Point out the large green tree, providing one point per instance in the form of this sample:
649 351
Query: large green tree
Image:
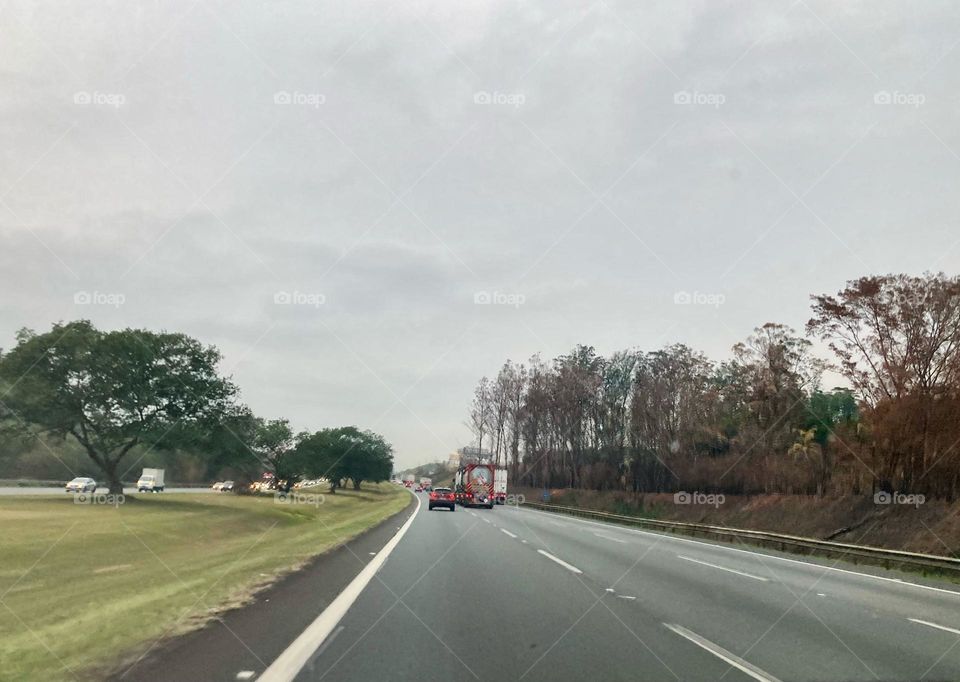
113 391
345 453
273 442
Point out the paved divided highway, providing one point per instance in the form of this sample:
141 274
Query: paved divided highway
519 594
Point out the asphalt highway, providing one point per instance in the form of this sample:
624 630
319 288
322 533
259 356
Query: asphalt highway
515 594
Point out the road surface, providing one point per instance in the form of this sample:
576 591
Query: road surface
510 594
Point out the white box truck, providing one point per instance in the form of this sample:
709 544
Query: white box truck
150 481
500 485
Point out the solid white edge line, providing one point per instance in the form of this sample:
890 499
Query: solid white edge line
723 568
607 537
724 655
504 530
563 563
288 664
808 564
934 625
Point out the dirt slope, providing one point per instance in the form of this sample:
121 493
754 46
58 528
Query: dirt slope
932 527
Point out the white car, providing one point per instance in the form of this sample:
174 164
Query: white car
81 484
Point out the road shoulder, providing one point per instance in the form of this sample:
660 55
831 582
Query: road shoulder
249 638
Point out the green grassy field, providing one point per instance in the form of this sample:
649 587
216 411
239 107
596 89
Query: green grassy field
84 587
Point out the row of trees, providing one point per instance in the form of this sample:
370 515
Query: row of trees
759 421
132 394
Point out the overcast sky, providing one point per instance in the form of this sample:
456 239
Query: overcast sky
323 190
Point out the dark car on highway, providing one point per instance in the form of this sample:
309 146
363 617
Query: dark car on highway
442 497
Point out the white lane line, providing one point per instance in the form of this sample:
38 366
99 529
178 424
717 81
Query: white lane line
486 520
607 537
724 568
724 655
288 664
245 675
623 596
560 561
754 553
934 625
504 530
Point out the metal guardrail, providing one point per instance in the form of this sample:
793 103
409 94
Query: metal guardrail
888 558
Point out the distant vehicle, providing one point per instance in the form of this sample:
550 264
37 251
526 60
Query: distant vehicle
500 485
226 486
408 480
419 489
442 497
217 486
473 485
426 482
81 484
151 481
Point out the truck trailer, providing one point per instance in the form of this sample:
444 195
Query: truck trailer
500 485
473 485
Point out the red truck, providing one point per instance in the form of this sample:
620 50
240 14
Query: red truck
473 485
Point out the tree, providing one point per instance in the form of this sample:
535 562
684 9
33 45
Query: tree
898 341
113 391
481 411
344 453
274 443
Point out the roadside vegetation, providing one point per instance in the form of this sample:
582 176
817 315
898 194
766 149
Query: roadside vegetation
83 584
78 401
758 422
929 528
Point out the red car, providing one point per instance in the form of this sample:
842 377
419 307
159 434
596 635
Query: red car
442 497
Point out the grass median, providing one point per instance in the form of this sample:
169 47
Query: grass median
83 587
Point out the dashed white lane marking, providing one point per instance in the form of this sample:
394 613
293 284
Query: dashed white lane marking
724 568
288 664
563 563
623 596
607 537
610 589
524 541
486 520
504 530
724 655
934 625
808 564
245 675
